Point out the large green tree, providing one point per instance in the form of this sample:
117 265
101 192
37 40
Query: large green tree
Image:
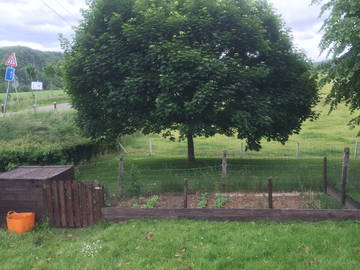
341 40
199 67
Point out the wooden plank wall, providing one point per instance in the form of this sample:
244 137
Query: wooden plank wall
73 204
115 214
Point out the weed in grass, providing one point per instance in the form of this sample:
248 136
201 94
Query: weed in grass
90 249
152 202
220 200
203 200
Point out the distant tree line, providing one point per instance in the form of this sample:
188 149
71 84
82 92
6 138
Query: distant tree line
33 65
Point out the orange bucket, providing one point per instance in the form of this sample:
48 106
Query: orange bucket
20 222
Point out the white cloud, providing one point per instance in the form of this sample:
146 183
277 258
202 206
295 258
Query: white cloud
303 20
36 23
33 45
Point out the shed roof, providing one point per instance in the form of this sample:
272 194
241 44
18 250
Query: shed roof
34 172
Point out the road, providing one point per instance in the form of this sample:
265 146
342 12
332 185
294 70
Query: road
59 107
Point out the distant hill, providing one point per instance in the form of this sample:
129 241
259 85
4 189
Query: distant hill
44 63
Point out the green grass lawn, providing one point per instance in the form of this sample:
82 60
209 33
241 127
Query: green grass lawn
186 245
27 99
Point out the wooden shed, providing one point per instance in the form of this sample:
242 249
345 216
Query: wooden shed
21 189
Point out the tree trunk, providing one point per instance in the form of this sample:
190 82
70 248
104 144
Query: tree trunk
191 153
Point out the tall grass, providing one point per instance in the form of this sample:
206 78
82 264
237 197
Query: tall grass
42 139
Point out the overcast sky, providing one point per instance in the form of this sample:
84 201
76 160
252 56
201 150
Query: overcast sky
36 23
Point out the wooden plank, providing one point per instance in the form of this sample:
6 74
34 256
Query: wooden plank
325 174
76 204
69 204
56 205
185 192
97 199
49 203
62 203
90 199
83 208
270 190
115 214
26 195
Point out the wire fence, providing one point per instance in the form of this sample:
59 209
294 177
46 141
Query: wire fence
245 178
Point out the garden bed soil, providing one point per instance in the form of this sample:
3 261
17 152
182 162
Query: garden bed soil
291 200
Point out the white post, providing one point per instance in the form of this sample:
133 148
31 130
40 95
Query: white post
297 149
356 149
242 149
150 148
6 96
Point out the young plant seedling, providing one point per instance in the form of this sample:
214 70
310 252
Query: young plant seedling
220 201
203 200
152 202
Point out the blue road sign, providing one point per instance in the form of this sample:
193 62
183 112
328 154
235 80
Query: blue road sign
9 74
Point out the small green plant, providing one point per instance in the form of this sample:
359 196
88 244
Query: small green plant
10 166
220 201
134 203
152 202
203 200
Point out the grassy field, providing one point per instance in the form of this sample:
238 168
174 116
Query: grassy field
165 170
27 99
42 138
186 245
328 135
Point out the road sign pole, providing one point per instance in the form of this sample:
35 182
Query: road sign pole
6 96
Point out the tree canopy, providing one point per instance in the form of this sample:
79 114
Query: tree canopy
199 67
342 40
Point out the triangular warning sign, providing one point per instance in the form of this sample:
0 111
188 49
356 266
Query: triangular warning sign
11 61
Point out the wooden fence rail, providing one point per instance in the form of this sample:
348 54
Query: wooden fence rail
116 214
73 204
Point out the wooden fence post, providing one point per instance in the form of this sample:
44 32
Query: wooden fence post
325 174
270 188
121 173
224 169
185 192
345 174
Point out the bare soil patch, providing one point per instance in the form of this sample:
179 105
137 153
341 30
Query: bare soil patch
292 200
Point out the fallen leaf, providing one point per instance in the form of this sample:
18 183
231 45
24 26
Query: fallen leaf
149 235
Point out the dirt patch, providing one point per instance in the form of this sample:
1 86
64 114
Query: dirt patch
235 200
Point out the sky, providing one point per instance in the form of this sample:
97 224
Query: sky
36 23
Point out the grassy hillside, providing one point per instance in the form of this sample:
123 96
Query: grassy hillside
42 139
27 99
327 135
186 245
30 57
